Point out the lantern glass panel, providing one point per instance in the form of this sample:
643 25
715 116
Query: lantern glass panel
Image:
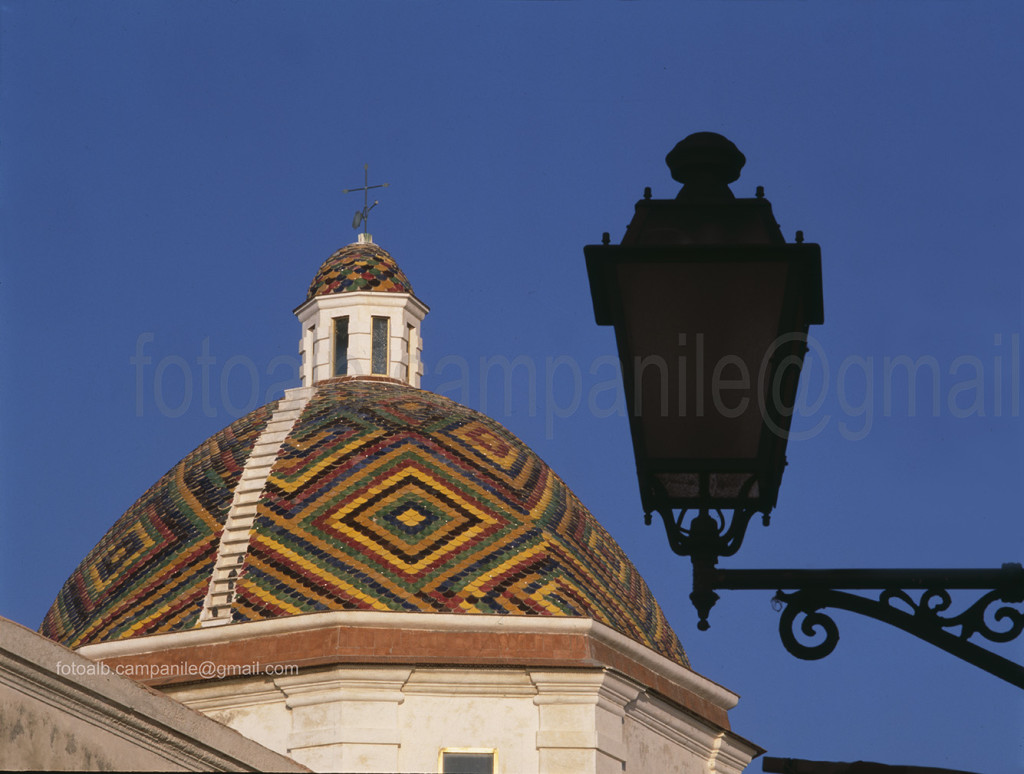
699 333
721 486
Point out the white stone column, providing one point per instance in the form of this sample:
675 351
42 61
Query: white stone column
346 719
581 721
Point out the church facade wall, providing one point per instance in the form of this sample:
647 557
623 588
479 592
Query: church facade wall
399 719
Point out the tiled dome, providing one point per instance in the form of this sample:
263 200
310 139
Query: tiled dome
151 571
359 266
382 497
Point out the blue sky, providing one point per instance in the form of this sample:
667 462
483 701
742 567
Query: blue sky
170 180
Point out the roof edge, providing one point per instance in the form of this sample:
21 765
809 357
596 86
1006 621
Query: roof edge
150 727
719 697
363 294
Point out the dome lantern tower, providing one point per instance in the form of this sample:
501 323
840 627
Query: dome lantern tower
361 318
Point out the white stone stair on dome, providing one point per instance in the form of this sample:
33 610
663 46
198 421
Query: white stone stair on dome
234 541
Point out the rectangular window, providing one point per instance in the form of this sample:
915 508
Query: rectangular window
379 358
467 761
341 346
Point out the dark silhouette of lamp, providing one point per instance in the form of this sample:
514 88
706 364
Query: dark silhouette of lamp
711 309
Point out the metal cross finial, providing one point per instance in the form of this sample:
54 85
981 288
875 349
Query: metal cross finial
362 215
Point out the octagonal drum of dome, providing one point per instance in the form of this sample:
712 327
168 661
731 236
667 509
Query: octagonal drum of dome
381 497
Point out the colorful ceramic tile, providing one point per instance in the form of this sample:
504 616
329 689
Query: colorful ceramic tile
359 267
151 571
385 497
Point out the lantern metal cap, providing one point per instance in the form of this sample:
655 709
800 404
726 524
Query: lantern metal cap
705 163
705 211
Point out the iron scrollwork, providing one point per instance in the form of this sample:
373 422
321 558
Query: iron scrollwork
708 535
992 617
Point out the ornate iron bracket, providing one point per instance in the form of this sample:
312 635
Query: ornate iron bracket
992 617
706 537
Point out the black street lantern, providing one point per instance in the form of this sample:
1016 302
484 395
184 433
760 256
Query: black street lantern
711 309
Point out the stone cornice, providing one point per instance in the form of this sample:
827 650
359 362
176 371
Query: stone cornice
365 638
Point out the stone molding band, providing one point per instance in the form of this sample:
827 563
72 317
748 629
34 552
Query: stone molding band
363 637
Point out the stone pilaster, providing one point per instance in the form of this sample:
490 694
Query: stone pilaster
581 716
346 719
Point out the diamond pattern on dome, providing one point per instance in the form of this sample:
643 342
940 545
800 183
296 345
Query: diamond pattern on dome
361 266
385 497
151 571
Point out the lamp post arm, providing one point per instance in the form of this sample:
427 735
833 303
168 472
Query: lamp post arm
925 618
1009 577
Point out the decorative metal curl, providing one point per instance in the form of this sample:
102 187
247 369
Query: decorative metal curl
710 534
971 621
924 620
802 603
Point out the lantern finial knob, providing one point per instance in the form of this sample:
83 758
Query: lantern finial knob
705 163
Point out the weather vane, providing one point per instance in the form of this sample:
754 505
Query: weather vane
362 215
